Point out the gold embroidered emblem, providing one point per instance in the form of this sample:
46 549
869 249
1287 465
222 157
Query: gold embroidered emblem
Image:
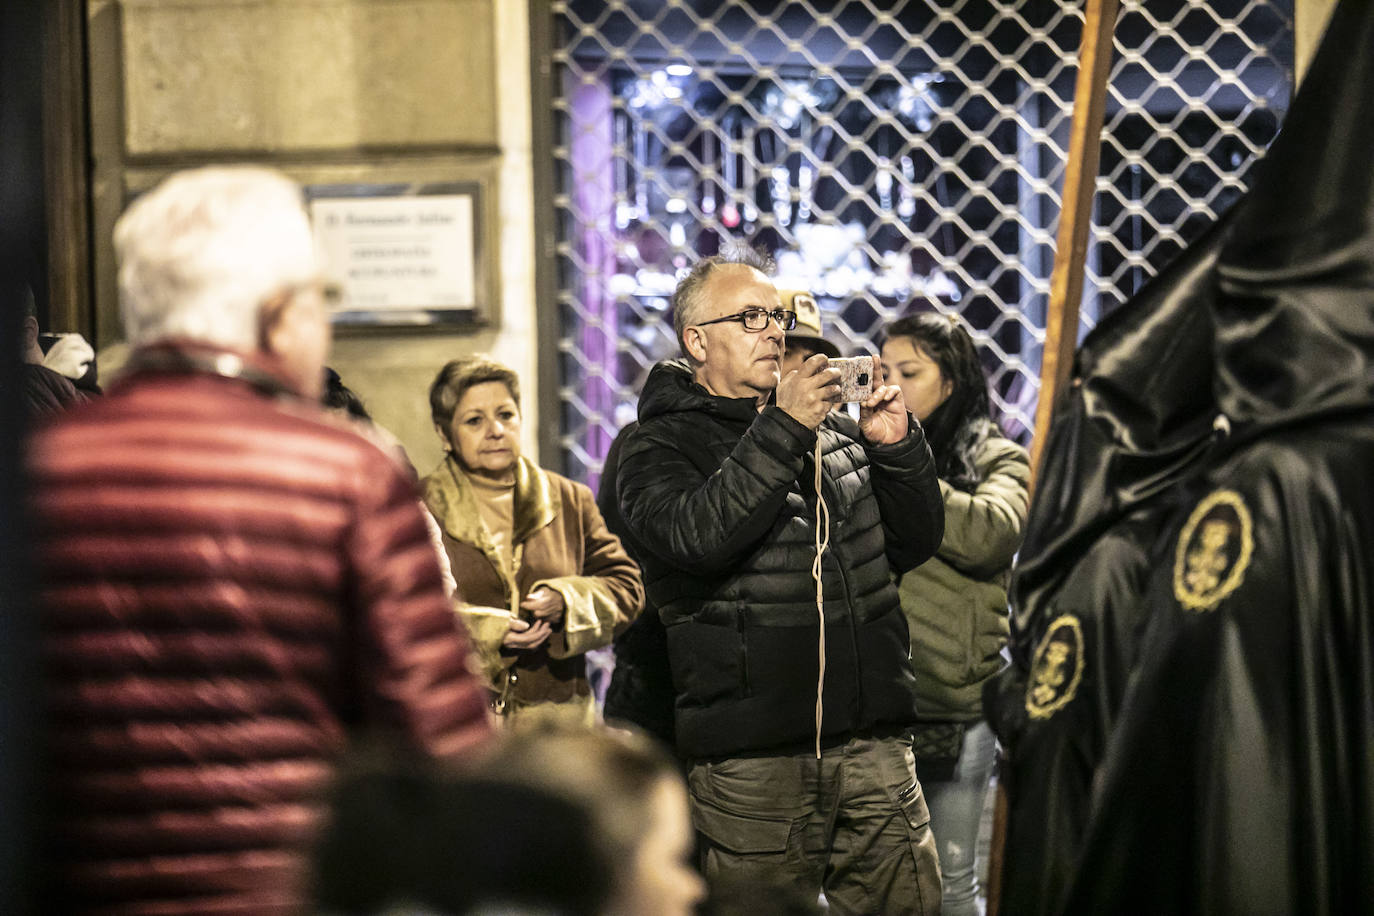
1056 668
1213 551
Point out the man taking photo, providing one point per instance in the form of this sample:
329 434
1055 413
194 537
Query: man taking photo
719 486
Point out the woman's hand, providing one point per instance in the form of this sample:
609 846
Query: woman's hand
545 604
525 635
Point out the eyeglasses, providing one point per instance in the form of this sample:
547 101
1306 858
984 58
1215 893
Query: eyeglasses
756 319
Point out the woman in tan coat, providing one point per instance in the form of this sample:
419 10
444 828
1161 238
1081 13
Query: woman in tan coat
956 602
540 579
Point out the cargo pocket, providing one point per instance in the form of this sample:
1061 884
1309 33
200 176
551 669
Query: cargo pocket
911 801
735 833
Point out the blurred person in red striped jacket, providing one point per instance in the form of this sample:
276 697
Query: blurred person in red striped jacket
233 584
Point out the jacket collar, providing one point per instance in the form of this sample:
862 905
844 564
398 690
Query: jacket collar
259 370
671 388
450 497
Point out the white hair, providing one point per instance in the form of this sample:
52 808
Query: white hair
199 254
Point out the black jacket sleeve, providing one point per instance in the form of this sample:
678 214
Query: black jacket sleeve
707 523
641 688
909 499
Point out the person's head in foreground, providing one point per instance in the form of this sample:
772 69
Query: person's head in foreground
411 835
574 823
637 801
474 402
223 258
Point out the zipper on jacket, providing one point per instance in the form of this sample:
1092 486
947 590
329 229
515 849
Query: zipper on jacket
853 637
848 594
743 652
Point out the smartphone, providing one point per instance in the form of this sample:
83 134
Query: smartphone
856 378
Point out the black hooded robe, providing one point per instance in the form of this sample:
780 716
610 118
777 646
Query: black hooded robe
1240 775
1138 419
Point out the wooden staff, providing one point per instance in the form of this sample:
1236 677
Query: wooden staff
1075 215
1066 292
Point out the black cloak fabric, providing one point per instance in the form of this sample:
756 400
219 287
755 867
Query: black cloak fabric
1138 417
1239 777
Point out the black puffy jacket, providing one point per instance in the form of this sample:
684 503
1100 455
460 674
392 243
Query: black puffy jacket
720 497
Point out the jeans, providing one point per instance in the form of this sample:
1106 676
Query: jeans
853 825
956 809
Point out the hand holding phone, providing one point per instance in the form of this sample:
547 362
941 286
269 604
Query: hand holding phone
883 418
809 394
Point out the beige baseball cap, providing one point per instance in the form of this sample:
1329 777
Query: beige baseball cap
808 330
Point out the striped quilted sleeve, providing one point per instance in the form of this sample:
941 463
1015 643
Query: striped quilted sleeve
415 657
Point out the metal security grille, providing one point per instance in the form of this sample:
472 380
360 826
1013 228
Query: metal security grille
891 156
1198 89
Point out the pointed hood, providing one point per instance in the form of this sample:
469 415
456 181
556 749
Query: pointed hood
1295 321
1137 418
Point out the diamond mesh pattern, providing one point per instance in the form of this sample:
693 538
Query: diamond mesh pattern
891 156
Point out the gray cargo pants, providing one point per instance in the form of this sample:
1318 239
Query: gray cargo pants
853 824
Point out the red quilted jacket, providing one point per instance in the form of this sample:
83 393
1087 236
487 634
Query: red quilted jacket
232 585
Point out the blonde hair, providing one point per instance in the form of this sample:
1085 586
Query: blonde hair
458 375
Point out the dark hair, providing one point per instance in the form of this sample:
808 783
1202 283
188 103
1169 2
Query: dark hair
958 427
458 375
407 831
338 396
613 773
687 296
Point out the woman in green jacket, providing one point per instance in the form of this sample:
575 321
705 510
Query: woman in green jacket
956 602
